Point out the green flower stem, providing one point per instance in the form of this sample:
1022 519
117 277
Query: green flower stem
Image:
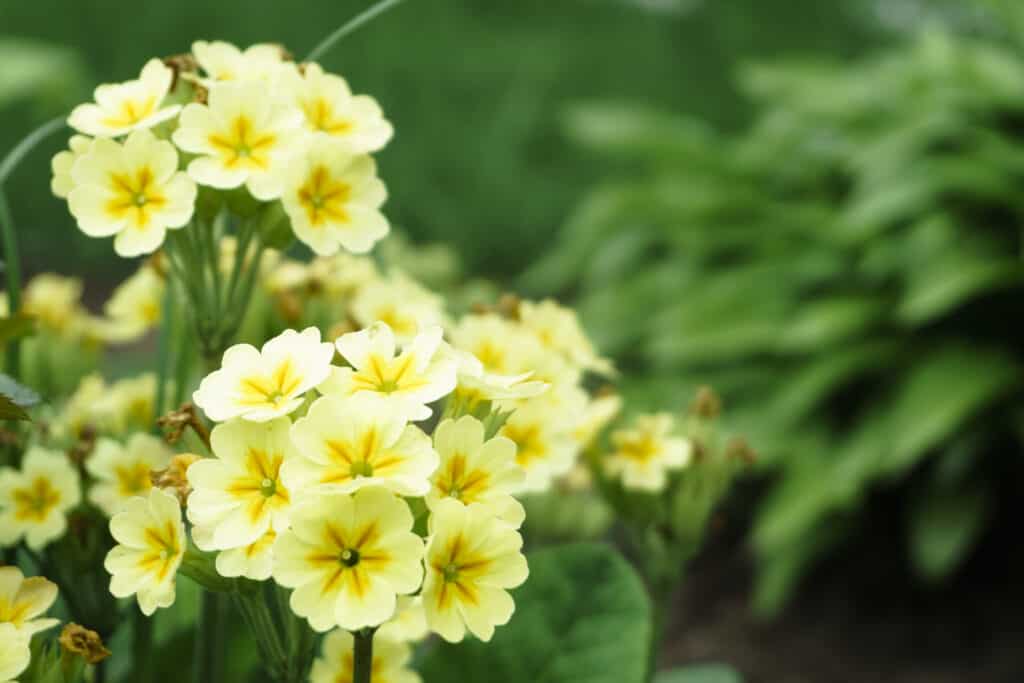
264 629
199 566
167 320
208 653
12 266
348 27
142 646
362 656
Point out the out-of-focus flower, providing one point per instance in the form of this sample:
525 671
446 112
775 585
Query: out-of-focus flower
238 495
475 385
132 190
348 443
23 600
409 623
558 329
15 654
124 107
644 453
61 184
261 384
347 557
406 306
54 300
122 471
243 136
223 61
545 448
87 644
126 405
472 560
476 471
390 660
417 376
333 199
134 307
34 500
151 544
600 411
333 112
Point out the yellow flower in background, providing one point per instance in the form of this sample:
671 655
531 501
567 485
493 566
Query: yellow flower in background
599 412
122 471
333 199
474 384
134 307
476 471
123 406
261 384
545 448
223 61
242 136
34 500
132 190
54 300
61 184
238 496
342 274
409 623
15 654
151 544
347 557
399 301
645 453
332 111
499 344
23 600
413 378
346 443
558 329
121 108
390 662
473 559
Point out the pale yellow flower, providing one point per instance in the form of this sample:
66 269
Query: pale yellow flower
417 375
61 184
134 307
23 600
122 471
342 274
645 453
261 384
15 654
333 112
472 560
350 442
409 623
35 500
79 410
238 495
600 411
121 108
406 306
558 328
223 61
242 136
390 662
54 300
151 544
254 561
476 471
132 190
125 405
474 384
499 344
333 199
545 448
347 557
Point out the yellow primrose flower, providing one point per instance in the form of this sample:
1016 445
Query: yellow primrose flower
347 557
33 501
342 274
238 495
23 599
225 62
242 136
261 384
61 184
333 199
132 190
134 307
599 411
415 377
123 471
54 300
644 453
121 108
475 471
558 329
333 112
390 662
499 344
409 623
472 560
151 544
545 448
254 561
349 442
475 385
15 654
125 405
405 305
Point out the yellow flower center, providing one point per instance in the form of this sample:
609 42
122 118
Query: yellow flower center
241 145
348 560
363 458
133 479
272 390
36 501
529 442
460 568
162 550
320 116
324 198
260 489
491 355
131 112
457 481
387 376
399 324
135 196
640 449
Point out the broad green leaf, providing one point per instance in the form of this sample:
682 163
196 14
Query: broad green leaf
583 615
945 284
830 320
700 673
944 526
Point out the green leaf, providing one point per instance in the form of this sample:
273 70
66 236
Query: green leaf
701 673
16 327
830 320
946 283
9 410
583 615
943 527
33 68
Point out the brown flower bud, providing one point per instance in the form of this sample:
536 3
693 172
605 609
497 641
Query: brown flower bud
174 479
738 448
706 403
78 640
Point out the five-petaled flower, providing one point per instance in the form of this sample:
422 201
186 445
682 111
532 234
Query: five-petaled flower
123 471
33 501
347 557
23 600
644 453
223 61
121 108
390 663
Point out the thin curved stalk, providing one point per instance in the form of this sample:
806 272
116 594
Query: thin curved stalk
20 150
348 27
12 268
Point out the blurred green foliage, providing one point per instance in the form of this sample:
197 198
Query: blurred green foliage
847 272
